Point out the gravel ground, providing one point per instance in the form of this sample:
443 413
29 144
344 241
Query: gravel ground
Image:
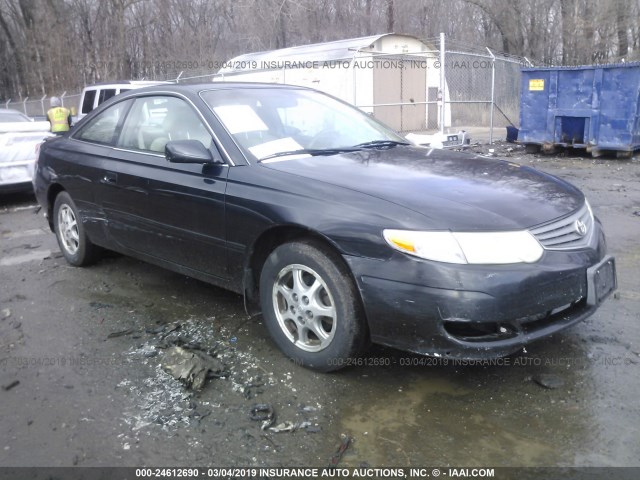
81 355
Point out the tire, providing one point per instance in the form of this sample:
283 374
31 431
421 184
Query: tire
311 307
72 239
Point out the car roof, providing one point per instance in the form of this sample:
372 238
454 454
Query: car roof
187 89
195 88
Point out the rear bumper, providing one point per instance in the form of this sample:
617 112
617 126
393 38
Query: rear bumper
16 176
476 311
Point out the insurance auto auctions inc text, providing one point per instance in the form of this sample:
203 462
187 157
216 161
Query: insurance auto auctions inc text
375 472
328 64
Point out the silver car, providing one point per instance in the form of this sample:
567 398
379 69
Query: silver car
19 139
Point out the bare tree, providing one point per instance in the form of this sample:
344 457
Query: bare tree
54 45
390 16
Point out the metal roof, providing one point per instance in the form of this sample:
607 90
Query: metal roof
327 51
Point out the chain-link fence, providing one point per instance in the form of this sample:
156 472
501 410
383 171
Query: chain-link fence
421 93
482 89
38 107
446 86
442 87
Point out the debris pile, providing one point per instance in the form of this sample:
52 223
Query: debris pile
265 413
191 367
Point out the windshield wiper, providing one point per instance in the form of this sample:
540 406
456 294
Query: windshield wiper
380 144
312 152
336 150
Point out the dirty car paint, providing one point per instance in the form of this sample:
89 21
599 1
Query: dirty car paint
208 221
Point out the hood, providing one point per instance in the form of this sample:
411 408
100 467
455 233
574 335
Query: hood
452 190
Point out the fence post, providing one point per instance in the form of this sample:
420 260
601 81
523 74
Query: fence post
493 90
42 104
6 105
24 105
442 83
62 97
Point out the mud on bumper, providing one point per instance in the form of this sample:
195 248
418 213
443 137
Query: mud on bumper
493 312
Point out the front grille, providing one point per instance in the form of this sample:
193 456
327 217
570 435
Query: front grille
565 233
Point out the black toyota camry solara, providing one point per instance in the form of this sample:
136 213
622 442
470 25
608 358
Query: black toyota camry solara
329 223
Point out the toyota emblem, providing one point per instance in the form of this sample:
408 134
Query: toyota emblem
580 227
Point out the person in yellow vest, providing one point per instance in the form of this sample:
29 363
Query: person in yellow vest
59 117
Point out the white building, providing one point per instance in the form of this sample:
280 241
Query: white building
394 77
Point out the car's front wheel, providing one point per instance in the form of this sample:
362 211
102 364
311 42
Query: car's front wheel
310 306
72 239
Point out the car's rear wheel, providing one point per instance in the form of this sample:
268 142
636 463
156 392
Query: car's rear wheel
72 239
310 306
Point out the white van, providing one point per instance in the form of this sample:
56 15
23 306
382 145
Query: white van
94 95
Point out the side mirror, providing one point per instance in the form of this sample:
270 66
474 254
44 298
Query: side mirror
188 151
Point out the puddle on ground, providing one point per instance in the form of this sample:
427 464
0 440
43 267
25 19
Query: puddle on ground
457 417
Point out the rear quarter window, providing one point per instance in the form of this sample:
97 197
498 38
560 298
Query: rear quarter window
103 127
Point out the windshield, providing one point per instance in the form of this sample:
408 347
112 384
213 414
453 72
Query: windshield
273 122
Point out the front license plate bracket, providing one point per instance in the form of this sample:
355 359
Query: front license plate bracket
601 280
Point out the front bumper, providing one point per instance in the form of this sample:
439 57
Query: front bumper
480 311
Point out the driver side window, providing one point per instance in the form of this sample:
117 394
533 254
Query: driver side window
154 121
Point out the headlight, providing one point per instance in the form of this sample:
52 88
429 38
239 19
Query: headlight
467 247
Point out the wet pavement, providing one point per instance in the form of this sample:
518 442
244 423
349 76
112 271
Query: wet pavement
87 347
